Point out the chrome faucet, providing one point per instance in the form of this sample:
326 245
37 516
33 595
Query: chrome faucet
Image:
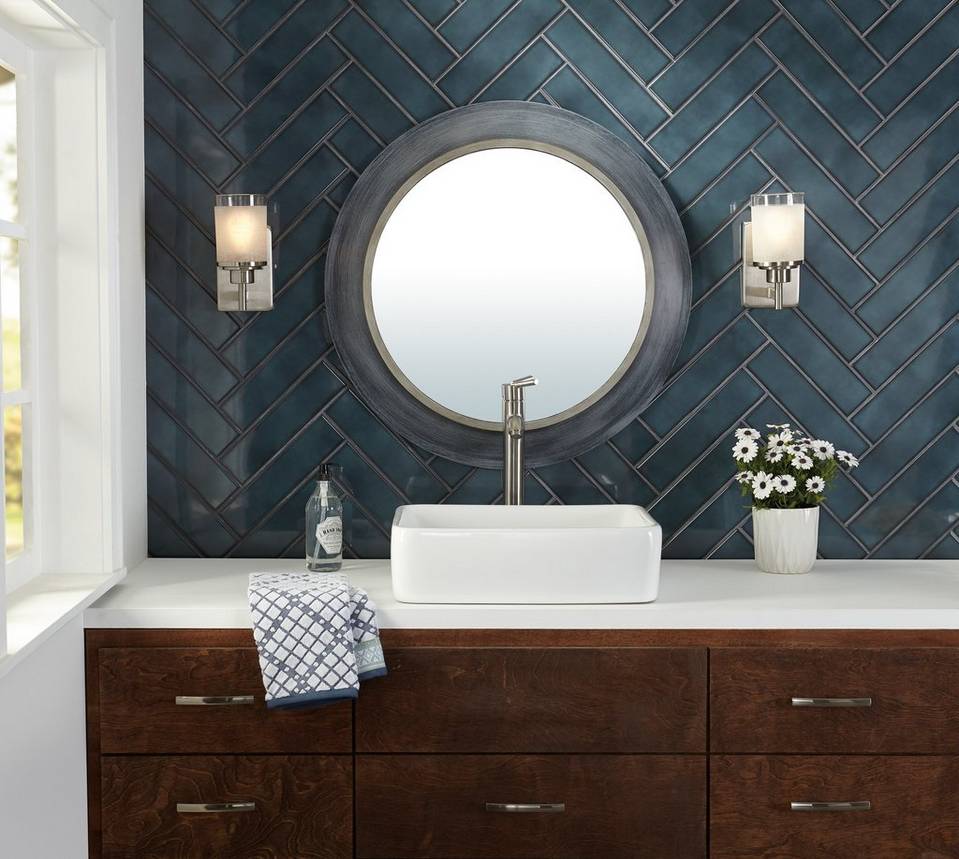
514 429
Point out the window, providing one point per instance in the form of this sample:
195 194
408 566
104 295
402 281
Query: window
16 290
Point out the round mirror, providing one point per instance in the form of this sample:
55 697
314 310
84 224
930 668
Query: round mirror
542 272
497 241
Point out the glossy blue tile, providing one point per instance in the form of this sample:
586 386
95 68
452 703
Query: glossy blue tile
902 23
384 450
919 113
717 153
616 477
633 441
277 104
497 47
567 90
834 264
685 498
716 47
164 539
355 145
730 87
831 318
820 80
193 82
716 261
834 540
392 70
947 549
170 171
704 375
909 69
434 11
926 421
817 134
416 39
483 486
716 420
177 122
862 13
737 547
170 333
929 264
315 176
372 494
823 196
197 32
606 74
808 406
471 21
708 318
926 527
709 528
253 21
912 383
299 459
711 210
685 21
615 28
567 481
647 11
186 403
269 436
367 102
900 498
836 38
168 440
302 243
187 242
525 76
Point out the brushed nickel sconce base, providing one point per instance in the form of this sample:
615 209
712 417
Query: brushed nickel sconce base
246 289
772 288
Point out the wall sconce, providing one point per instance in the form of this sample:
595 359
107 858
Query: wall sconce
773 249
244 252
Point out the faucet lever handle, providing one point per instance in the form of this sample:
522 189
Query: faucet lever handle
524 382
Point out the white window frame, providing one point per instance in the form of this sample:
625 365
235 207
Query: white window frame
81 216
16 572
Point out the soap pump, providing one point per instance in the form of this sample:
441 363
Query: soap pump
324 523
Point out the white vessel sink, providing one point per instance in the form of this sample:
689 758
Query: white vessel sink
606 553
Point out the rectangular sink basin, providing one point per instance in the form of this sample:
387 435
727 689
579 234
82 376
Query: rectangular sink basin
529 555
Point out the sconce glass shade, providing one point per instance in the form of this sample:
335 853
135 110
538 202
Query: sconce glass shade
778 229
242 235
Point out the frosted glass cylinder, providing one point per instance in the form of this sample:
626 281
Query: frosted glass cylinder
241 234
778 228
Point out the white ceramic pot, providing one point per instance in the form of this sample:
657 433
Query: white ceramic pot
786 540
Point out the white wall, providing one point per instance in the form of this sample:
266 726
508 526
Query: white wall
43 752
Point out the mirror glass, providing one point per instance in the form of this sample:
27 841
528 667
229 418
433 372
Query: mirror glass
501 263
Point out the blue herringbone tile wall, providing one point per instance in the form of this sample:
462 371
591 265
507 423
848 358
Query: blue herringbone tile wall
851 101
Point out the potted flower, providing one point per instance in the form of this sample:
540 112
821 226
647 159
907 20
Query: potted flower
787 476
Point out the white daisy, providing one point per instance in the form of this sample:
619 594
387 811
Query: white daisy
801 461
745 477
821 449
774 455
745 450
785 483
777 426
778 441
815 484
746 432
762 485
845 457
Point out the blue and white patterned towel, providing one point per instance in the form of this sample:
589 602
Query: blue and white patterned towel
316 636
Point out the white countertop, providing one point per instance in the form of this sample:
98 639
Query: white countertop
211 593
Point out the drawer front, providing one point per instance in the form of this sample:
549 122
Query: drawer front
276 806
856 701
595 805
913 806
139 713
536 700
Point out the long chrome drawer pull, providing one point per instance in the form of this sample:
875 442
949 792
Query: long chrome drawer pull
832 702
213 807
527 807
863 805
213 700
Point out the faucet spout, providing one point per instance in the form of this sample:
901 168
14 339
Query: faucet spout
514 431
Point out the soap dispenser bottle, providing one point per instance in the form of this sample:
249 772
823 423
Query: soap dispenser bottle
324 524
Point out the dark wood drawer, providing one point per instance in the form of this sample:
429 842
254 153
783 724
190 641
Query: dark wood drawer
914 700
615 806
139 714
536 700
914 806
303 807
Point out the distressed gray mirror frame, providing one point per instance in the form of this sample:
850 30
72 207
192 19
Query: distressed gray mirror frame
469 129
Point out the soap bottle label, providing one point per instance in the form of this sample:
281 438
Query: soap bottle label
329 533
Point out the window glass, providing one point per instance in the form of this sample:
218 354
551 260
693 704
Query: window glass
8 146
10 312
13 478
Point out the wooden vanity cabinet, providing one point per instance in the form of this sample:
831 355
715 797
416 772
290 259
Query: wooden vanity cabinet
486 744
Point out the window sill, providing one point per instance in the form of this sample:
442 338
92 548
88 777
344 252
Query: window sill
44 605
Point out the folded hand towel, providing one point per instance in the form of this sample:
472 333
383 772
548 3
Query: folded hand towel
316 636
